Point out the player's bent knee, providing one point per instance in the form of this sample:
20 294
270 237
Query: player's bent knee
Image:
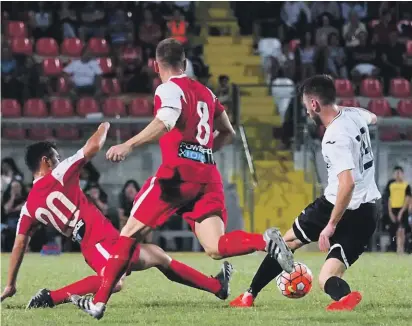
213 253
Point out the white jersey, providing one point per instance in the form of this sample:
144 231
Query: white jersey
346 145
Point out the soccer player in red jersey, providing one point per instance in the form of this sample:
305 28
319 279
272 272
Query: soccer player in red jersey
57 200
191 124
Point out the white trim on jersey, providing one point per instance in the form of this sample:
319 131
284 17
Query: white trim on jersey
301 230
102 251
142 197
177 76
23 211
59 172
342 253
168 116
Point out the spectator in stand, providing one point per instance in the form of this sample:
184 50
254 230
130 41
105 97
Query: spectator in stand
360 8
199 67
126 199
384 28
295 14
88 174
85 74
189 71
98 196
119 27
283 91
322 33
393 57
336 58
9 172
269 50
224 93
363 59
11 85
150 32
352 29
177 27
92 19
68 20
306 56
320 8
41 21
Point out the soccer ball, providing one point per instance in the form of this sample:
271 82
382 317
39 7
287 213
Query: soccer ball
296 284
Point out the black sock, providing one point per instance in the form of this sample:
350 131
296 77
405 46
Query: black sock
337 288
267 271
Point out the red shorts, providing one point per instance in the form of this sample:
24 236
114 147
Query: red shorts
96 254
158 200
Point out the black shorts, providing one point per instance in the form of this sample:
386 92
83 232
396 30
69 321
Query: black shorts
352 233
403 223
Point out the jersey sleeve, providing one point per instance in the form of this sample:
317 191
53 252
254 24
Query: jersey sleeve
26 223
70 168
339 151
168 103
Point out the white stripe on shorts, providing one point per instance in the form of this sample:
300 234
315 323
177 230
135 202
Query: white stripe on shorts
142 197
102 251
342 253
301 231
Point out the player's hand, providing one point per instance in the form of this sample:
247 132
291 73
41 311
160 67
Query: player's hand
8 292
118 153
325 235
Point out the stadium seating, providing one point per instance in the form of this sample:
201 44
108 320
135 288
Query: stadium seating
113 107
371 87
67 133
351 102
63 86
47 47
72 47
36 108
344 88
156 83
87 105
391 134
16 29
111 86
409 48
10 108
400 87
106 65
98 46
140 107
120 132
40 133
22 45
52 66
405 108
14 133
380 107
61 107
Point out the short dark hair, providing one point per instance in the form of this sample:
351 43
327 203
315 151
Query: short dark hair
170 52
321 86
398 168
36 151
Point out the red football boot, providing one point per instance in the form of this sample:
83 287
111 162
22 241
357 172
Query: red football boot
244 300
348 302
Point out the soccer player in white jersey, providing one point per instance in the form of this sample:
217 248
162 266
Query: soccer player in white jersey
343 220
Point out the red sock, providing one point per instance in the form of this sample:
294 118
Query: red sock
116 266
186 275
237 243
87 285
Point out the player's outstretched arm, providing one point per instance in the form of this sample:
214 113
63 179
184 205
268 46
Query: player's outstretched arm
16 259
95 143
224 131
370 117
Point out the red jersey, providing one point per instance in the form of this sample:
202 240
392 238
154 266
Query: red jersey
57 200
188 146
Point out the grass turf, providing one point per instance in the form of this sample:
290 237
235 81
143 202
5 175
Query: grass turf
150 299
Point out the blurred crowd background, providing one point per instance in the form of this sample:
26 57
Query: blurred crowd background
84 60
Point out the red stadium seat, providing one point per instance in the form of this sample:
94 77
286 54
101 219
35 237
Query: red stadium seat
113 107
409 48
22 45
52 67
16 29
106 65
10 108
380 107
389 134
371 87
405 108
156 83
72 47
111 86
140 107
61 107
47 47
14 133
40 133
351 102
409 134
67 133
122 133
400 87
35 107
62 86
87 105
98 46
344 88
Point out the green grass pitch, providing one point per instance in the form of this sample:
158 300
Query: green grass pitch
150 299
